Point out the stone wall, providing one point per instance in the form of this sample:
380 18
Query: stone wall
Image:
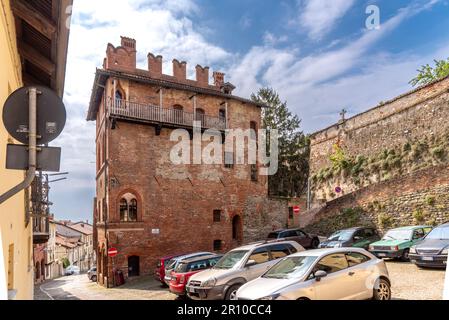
421 197
412 116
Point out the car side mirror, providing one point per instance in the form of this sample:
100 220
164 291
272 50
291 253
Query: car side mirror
357 238
320 274
250 263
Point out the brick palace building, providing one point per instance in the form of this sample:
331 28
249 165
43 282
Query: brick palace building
147 207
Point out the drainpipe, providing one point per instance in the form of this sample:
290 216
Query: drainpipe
308 194
32 149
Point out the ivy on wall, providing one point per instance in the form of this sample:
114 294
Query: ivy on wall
358 171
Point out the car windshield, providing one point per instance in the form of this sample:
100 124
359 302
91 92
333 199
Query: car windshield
341 236
440 233
398 235
290 268
230 259
273 235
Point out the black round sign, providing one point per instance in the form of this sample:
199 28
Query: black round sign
51 115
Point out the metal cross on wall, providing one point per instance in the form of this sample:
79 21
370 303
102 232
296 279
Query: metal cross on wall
343 115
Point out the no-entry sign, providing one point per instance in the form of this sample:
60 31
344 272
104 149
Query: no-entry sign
296 209
112 252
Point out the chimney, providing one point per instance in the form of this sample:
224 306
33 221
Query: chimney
202 76
179 70
155 65
218 79
122 58
128 43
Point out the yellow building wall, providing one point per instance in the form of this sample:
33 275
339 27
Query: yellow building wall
14 232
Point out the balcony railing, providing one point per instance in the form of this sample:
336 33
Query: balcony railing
154 114
41 230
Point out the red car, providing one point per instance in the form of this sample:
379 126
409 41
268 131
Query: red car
159 272
187 268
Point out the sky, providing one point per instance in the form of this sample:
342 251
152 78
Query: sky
318 54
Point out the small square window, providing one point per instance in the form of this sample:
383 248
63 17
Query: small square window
217 215
217 245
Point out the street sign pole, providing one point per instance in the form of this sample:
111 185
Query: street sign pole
32 149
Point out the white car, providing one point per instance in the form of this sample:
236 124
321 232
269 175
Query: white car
70 270
323 274
236 268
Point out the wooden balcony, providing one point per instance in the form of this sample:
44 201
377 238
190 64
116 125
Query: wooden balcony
154 115
41 230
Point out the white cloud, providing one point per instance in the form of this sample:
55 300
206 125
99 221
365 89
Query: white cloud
319 17
318 86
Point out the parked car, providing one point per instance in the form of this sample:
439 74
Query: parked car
308 241
236 268
396 243
162 263
173 264
322 274
432 250
92 274
71 270
359 237
187 268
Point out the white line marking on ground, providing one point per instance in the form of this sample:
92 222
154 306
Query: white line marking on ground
42 289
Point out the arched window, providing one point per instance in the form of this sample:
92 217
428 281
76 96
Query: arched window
222 114
132 210
236 228
128 208
123 210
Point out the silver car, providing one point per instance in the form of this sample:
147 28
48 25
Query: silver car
323 274
238 267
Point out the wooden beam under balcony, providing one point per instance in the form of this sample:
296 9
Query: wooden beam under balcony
36 58
39 22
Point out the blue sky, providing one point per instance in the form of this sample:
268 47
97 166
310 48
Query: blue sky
317 54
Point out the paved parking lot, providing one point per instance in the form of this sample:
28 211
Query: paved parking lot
408 282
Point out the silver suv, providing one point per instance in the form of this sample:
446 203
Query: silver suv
238 267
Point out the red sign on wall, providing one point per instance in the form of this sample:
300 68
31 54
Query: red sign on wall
112 252
296 209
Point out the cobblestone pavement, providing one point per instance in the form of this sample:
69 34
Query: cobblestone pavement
411 283
408 282
78 287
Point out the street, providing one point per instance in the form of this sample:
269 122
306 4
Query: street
78 287
408 283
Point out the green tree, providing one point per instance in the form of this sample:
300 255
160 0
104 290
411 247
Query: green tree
294 146
427 73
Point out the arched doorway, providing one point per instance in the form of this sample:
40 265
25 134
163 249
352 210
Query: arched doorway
237 228
133 266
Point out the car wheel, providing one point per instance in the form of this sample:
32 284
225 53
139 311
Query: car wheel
405 256
315 243
94 278
383 290
231 294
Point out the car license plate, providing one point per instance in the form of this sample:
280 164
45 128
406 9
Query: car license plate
427 258
191 290
382 254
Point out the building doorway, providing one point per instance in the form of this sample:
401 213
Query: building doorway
133 266
237 229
